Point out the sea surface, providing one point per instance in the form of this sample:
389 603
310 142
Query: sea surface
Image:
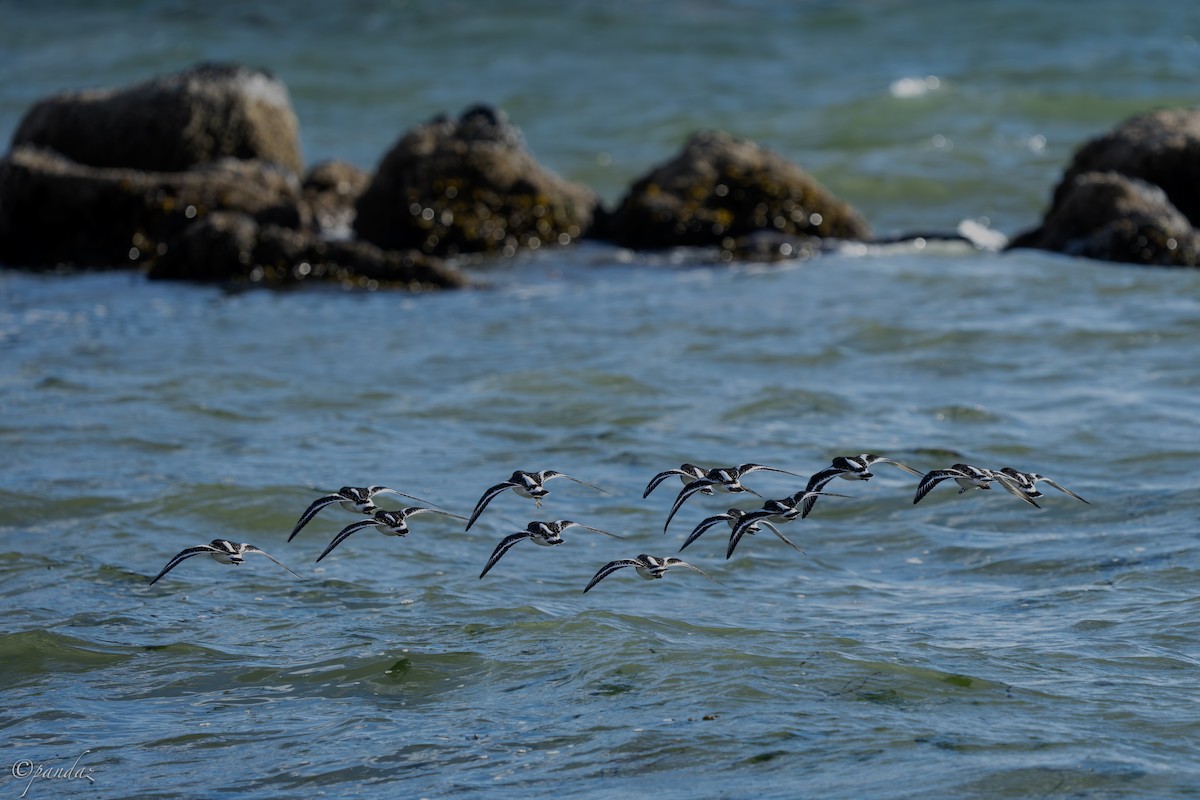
969 646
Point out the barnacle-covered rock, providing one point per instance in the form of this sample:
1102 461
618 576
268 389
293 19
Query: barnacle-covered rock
1131 195
55 211
231 247
721 188
470 186
171 123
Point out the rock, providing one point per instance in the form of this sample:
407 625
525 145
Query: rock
470 186
1131 195
231 247
54 211
721 188
171 123
331 189
1162 148
1112 217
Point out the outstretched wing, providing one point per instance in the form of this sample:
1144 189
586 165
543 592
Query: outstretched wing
932 479
549 474
1063 489
609 569
1013 488
590 528
816 483
659 478
488 496
312 510
671 561
344 533
415 510
734 539
252 549
700 529
746 469
687 491
374 490
505 545
181 556
894 463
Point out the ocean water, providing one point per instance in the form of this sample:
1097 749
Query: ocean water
968 647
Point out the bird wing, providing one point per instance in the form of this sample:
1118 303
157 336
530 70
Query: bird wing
344 533
597 530
895 463
1013 488
252 549
488 496
415 510
1063 489
699 530
312 510
671 561
746 469
505 545
181 556
549 474
684 494
609 569
374 490
659 478
932 479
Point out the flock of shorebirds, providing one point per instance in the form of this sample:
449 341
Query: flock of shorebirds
695 479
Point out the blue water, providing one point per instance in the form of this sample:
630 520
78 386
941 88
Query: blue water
969 646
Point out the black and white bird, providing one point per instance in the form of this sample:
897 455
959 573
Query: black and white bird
772 511
526 484
967 477
546 534
649 567
389 523
719 479
686 472
1026 484
351 498
732 517
851 468
222 551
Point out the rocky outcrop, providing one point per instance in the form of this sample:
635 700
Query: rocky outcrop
1112 217
470 186
171 123
231 247
55 211
1132 195
720 189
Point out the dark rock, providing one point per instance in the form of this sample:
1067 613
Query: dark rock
232 248
1162 148
331 189
470 186
1112 217
54 211
1132 195
171 123
722 188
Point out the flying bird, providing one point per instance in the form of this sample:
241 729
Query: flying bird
351 498
389 523
546 534
526 484
719 479
222 551
649 567
967 477
1026 484
851 468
